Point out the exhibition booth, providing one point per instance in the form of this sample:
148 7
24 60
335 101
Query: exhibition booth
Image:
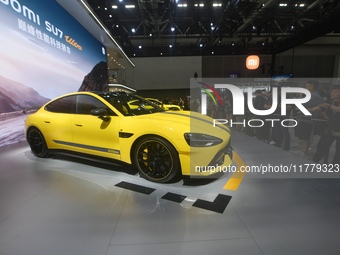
254 198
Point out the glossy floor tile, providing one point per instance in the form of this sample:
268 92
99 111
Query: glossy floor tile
64 205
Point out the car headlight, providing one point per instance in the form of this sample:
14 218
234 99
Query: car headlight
201 140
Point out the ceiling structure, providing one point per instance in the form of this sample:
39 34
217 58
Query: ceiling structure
149 28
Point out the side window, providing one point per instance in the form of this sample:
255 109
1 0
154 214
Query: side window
62 105
86 103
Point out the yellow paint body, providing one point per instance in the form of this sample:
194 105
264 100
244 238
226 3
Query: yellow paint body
86 133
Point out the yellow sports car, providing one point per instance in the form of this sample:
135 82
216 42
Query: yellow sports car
160 144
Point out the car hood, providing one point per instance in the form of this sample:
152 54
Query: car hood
187 121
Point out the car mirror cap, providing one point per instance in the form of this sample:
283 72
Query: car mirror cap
101 113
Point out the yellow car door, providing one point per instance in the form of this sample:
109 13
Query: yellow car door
54 121
94 134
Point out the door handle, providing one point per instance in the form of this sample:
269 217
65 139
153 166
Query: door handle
78 125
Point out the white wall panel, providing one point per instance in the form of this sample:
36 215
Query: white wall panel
165 72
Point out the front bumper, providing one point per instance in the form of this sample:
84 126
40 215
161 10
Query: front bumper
192 164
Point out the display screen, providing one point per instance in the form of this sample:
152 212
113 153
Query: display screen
44 53
44 47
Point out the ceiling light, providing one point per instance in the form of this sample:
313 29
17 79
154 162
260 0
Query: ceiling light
140 46
105 30
150 34
182 5
133 30
130 6
114 7
110 16
217 5
212 53
201 45
283 4
301 5
170 46
105 9
172 29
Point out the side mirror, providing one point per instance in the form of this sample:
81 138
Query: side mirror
101 113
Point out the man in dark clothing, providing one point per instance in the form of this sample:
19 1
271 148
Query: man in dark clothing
261 102
305 125
258 103
281 133
332 133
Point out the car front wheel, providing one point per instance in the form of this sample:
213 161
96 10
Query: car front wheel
156 159
37 143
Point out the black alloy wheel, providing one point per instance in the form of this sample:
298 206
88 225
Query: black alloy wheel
37 143
156 159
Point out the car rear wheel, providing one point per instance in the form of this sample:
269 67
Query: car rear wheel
156 159
37 143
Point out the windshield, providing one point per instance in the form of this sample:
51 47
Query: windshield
130 104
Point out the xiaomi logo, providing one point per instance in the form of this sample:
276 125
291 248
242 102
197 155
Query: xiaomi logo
252 62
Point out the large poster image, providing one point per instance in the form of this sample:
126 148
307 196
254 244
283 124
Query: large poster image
44 53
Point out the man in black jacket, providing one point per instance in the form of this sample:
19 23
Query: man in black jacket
332 133
262 102
304 128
